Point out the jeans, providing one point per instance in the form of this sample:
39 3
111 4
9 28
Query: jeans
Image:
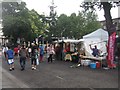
22 62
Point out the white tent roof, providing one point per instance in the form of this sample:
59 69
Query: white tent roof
70 40
99 33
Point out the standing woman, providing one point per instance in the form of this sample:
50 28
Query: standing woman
50 51
34 56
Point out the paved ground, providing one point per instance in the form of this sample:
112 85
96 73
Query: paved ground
58 74
8 80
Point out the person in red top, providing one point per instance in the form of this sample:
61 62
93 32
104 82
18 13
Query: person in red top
68 48
16 51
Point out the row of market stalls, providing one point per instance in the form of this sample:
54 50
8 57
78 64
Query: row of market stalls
79 50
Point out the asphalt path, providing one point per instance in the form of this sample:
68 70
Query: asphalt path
59 74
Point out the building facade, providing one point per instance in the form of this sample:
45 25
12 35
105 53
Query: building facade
115 20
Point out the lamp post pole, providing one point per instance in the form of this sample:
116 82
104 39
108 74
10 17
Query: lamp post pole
62 43
62 34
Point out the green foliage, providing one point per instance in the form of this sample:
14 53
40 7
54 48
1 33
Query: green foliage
91 22
75 26
19 22
106 6
36 24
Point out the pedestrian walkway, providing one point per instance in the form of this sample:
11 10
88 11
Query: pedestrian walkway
58 74
7 80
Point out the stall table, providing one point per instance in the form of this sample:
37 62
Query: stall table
100 59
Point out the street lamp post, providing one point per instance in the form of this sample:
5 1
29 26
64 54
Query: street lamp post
62 43
62 34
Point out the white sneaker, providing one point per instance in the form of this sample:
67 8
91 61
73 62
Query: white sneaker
34 68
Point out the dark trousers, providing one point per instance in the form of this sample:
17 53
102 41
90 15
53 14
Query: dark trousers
58 56
29 53
50 58
22 62
33 60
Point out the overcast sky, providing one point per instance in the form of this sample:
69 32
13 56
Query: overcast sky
63 6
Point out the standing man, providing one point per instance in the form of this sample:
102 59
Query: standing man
57 51
10 56
95 52
23 55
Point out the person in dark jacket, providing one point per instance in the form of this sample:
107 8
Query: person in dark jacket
95 52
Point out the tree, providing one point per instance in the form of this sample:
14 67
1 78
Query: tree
63 26
37 26
90 22
106 7
75 26
15 22
19 22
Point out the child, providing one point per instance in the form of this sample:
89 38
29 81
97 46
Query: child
10 56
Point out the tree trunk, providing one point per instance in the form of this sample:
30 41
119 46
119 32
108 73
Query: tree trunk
109 24
110 28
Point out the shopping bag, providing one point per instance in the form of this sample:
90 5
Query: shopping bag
37 61
48 55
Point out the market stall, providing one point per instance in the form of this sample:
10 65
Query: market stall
70 48
98 38
95 59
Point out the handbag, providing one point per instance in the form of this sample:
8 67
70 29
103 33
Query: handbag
48 55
